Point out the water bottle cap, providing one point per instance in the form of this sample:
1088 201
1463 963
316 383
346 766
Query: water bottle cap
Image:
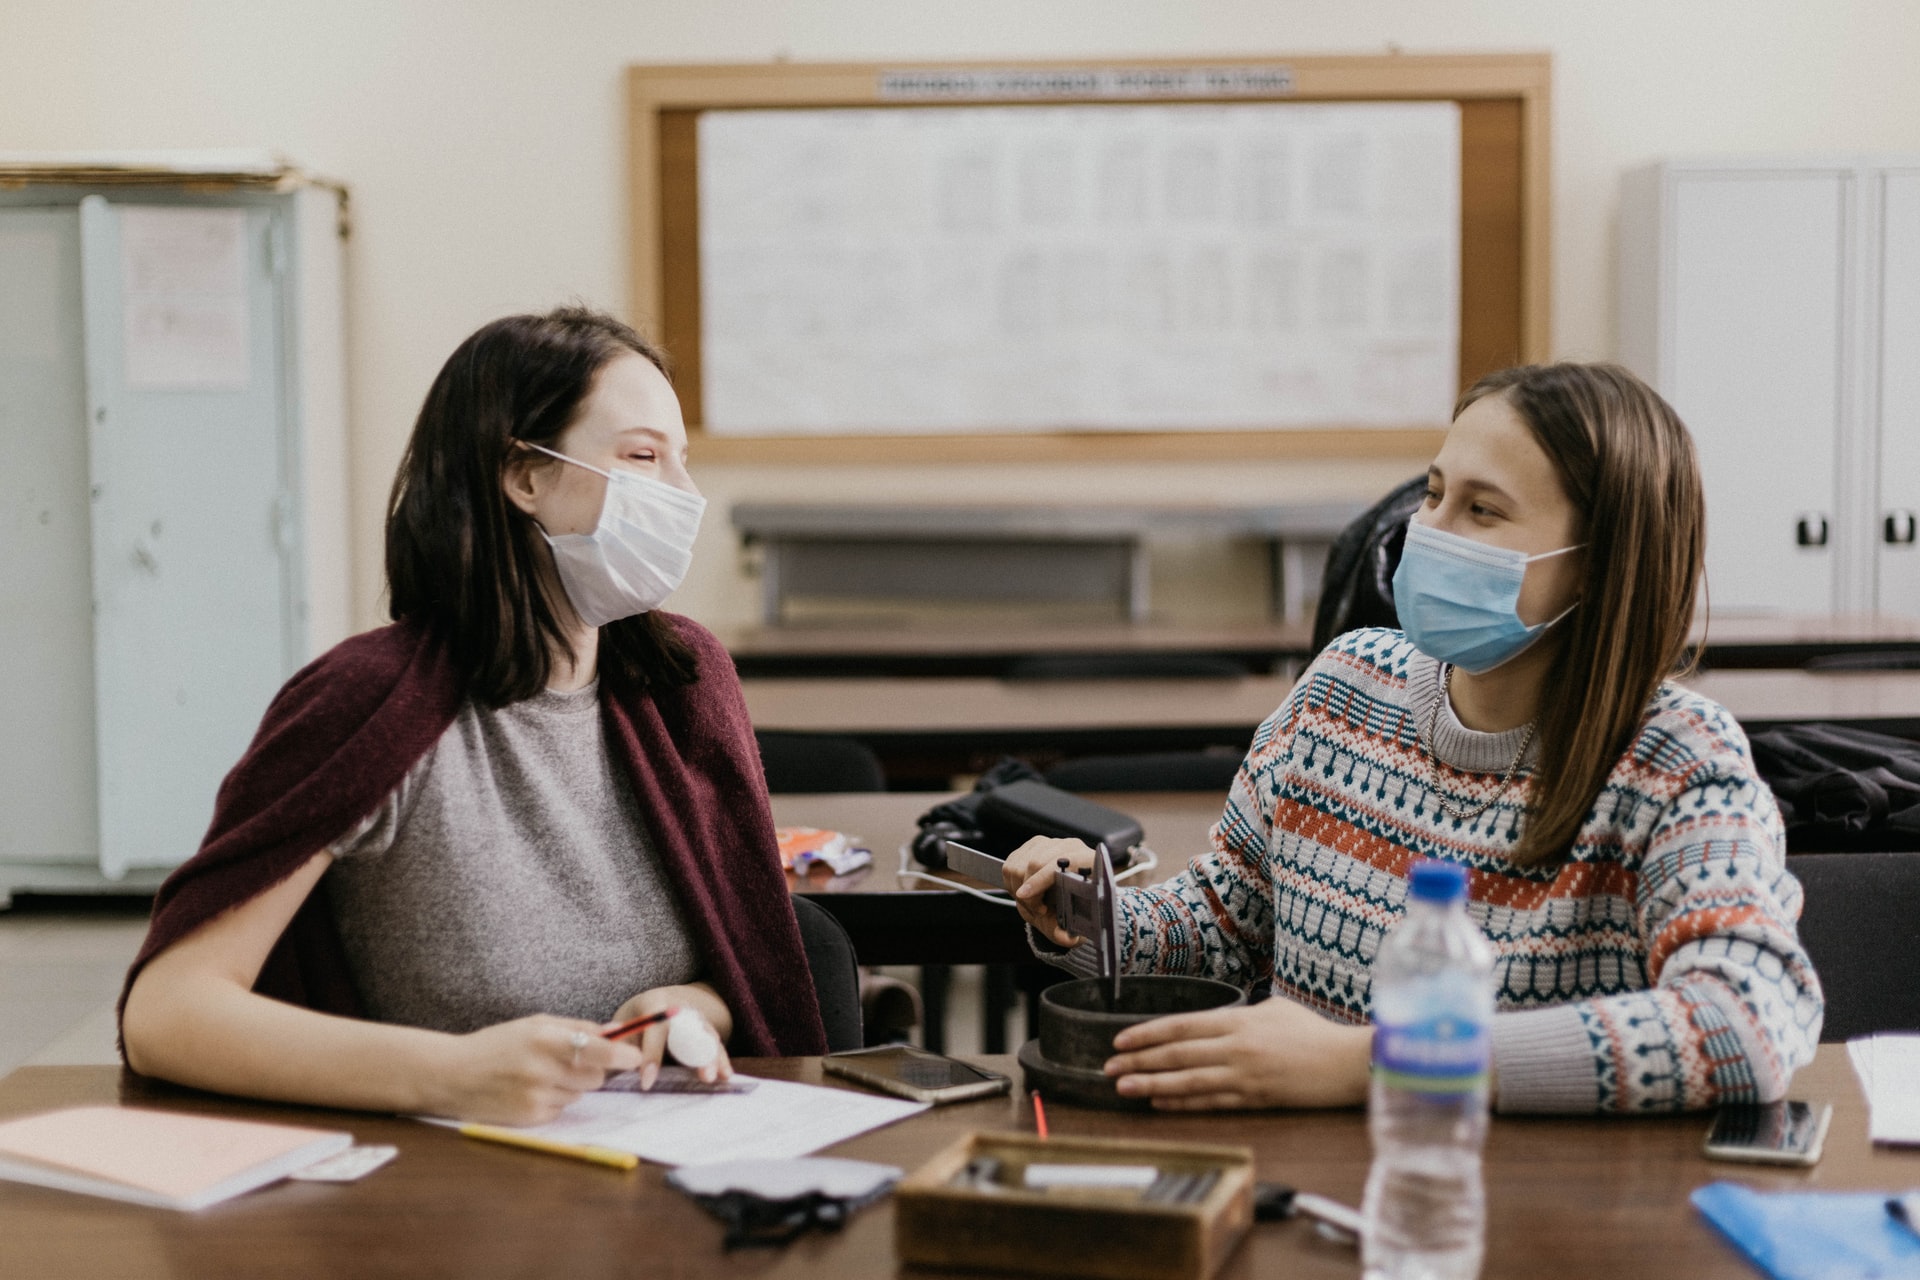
1440 882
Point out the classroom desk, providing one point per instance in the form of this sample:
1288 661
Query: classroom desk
1110 715
997 647
1757 698
928 730
906 707
1600 1198
894 921
1781 641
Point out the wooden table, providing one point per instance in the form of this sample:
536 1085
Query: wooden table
1122 715
992 646
1890 699
896 921
996 646
929 730
1580 1197
1781 641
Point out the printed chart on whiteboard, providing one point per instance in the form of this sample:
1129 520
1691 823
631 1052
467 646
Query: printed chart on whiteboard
1055 268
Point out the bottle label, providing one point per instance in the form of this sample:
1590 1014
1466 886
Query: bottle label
1440 1055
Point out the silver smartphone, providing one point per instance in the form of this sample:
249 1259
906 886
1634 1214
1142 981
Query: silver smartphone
915 1073
1783 1133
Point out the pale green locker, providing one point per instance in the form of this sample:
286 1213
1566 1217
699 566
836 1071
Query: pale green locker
172 508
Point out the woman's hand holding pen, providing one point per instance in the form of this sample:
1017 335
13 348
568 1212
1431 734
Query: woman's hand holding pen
1029 874
526 1071
697 997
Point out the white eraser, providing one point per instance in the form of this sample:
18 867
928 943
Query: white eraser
1126 1177
350 1165
690 1040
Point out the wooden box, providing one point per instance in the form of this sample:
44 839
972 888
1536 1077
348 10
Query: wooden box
939 1222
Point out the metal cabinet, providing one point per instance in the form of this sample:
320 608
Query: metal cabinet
1776 304
172 507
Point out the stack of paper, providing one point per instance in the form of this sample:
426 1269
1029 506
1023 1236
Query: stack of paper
163 1158
1889 1070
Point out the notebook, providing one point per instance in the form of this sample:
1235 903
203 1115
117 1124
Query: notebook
160 1158
1813 1235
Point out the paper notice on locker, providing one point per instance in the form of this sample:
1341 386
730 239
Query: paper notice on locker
184 297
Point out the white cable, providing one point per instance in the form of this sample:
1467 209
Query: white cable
1145 859
998 897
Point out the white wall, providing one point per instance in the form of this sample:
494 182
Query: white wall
483 140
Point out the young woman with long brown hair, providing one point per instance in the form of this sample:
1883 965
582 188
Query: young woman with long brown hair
1624 858
531 806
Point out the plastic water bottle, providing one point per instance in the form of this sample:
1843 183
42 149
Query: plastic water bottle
1433 1020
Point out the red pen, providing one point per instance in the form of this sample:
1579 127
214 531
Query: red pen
626 1029
1039 1116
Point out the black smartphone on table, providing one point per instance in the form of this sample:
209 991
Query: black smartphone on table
915 1073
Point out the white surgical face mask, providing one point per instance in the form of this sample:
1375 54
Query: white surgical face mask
637 553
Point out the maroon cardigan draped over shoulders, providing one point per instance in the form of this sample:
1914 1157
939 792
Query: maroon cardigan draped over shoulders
342 734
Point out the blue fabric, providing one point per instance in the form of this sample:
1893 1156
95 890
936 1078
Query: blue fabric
1813 1235
1457 599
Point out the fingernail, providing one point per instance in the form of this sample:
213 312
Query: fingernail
1126 1084
648 1074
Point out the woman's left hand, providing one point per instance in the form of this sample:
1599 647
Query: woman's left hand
1273 1054
701 999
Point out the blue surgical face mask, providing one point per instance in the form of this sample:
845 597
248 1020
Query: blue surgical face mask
1457 598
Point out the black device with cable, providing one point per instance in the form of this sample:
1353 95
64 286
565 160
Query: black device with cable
1009 806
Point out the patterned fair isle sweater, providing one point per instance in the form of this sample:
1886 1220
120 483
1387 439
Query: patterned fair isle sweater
1655 969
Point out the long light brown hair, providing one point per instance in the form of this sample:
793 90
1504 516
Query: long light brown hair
1628 465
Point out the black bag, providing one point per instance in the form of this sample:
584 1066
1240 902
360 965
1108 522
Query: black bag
1841 788
1011 804
1357 588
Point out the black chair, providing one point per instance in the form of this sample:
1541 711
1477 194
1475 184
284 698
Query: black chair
1356 589
1861 926
836 974
1208 770
812 763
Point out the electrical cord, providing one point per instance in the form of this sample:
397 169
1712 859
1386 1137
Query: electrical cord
1145 859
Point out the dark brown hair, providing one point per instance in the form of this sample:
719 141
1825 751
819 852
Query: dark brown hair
1628 465
466 562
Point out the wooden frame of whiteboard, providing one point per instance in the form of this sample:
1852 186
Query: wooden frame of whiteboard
1505 228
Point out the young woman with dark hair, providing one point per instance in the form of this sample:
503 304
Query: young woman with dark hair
532 806
1624 858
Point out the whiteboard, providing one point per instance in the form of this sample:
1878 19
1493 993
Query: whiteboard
1057 268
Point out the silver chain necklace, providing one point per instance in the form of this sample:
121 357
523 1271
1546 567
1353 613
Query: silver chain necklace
1433 757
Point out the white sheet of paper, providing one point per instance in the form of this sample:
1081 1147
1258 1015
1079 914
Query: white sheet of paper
778 1120
1889 1071
1061 267
184 298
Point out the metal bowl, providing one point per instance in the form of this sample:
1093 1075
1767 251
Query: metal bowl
1077 1030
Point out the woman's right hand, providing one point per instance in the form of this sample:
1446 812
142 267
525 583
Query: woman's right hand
527 1071
1029 874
